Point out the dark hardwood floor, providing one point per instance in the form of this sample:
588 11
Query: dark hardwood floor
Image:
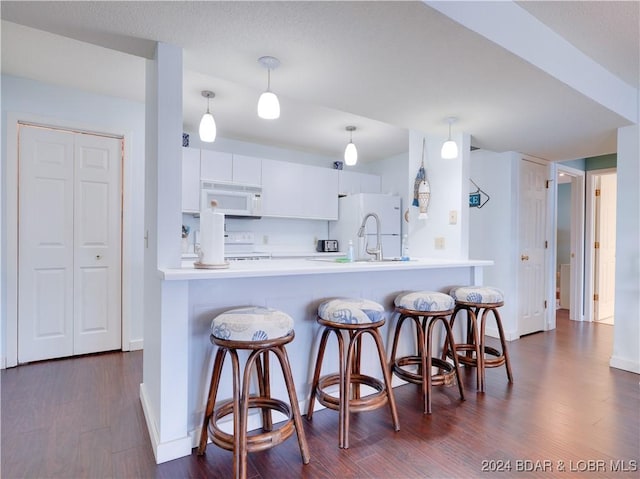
81 418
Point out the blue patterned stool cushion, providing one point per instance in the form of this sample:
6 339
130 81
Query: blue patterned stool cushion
477 294
351 311
252 323
425 301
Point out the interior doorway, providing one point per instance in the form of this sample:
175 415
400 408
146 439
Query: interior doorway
570 237
601 195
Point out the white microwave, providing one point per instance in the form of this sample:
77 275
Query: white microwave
232 199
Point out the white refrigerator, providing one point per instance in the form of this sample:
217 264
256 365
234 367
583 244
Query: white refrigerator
352 210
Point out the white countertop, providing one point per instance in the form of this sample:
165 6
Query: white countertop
287 267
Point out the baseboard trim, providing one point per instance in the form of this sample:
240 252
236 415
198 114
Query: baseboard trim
136 345
624 364
166 451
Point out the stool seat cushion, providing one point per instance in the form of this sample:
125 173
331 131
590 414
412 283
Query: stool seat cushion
477 294
425 301
351 311
252 323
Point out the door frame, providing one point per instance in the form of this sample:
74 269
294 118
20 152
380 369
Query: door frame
577 305
591 238
11 225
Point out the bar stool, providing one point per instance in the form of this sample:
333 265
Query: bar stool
432 307
478 301
357 317
261 331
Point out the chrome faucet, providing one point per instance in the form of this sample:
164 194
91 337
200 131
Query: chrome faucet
377 251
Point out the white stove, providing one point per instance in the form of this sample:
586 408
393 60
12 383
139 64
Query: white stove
240 246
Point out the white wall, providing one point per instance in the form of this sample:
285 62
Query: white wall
394 172
448 180
62 106
494 229
626 336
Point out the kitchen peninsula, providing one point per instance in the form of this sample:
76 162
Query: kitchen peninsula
295 286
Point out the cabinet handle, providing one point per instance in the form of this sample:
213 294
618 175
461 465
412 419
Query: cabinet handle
98 256
524 258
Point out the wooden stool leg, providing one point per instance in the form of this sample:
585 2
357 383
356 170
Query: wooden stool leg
429 323
316 373
425 363
281 353
478 342
456 363
264 388
503 343
345 378
387 377
447 345
396 340
211 401
356 366
239 402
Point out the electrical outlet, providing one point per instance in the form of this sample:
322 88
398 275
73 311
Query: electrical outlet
265 239
439 242
315 240
453 217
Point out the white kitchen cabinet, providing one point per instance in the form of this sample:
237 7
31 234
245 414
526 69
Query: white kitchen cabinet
190 180
292 190
216 166
247 170
352 182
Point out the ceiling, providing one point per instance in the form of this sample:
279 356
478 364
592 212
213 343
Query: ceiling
384 67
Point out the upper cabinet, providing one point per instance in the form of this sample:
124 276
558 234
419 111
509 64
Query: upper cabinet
292 190
351 182
289 190
216 166
190 180
247 170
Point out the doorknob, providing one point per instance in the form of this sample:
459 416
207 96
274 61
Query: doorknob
524 258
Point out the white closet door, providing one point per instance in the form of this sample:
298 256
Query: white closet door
97 224
45 257
69 254
605 279
531 271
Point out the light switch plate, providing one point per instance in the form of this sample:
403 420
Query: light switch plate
439 242
453 217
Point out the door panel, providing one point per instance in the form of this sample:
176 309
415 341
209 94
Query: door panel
531 270
604 285
45 258
97 244
69 291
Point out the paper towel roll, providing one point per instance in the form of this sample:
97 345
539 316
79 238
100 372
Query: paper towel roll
211 236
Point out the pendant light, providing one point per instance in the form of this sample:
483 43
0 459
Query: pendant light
208 128
350 152
268 104
449 148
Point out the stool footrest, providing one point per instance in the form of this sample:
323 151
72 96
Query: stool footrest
366 403
497 360
255 441
443 378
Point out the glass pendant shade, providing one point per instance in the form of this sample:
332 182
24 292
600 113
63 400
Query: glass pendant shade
208 128
350 154
268 106
449 150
